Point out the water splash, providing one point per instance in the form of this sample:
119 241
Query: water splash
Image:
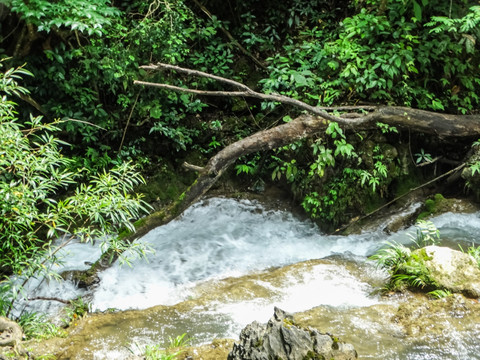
216 239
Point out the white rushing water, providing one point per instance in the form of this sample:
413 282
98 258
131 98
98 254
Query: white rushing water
220 238
216 239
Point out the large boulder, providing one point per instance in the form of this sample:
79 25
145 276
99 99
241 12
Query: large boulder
451 269
281 339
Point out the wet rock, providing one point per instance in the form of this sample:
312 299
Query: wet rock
437 204
218 349
451 269
423 319
80 278
281 339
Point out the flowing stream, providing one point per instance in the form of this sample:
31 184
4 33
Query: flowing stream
225 263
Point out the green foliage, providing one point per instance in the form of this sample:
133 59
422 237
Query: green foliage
440 293
474 251
33 213
407 269
287 168
422 157
475 167
85 16
426 234
93 77
77 309
337 196
173 352
249 165
37 326
388 57
386 129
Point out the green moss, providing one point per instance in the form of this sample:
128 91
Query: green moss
372 202
404 184
167 184
313 356
288 323
434 206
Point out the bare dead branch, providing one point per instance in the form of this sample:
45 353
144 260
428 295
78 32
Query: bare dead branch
246 93
50 299
196 168
192 91
192 72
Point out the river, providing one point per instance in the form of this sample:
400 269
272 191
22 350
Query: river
225 263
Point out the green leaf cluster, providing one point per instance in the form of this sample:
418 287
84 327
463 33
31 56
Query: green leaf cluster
406 268
76 15
41 199
401 56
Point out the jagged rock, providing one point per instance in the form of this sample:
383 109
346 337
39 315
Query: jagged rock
451 269
281 339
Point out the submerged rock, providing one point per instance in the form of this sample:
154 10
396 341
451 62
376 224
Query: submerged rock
281 339
453 270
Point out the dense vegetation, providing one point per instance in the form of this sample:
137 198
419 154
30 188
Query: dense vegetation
83 119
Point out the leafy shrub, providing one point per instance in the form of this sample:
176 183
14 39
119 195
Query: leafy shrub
407 269
387 57
40 199
76 15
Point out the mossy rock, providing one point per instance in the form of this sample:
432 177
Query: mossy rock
437 205
167 184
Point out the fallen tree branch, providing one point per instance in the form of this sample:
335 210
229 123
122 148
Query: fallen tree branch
440 125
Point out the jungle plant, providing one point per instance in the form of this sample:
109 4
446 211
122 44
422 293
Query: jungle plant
40 199
173 351
407 268
422 157
387 56
37 326
78 15
473 251
76 310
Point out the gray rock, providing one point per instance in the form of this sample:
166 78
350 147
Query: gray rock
451 269
280 339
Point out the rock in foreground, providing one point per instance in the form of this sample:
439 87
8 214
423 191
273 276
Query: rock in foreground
281 339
